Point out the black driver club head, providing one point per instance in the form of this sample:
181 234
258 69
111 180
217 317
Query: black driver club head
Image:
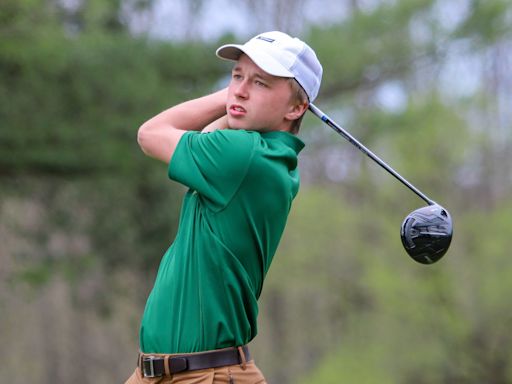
426 233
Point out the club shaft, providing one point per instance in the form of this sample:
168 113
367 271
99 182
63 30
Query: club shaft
326 119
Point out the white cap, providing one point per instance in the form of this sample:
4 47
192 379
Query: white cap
279 54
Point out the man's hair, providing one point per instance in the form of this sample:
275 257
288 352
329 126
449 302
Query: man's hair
298 96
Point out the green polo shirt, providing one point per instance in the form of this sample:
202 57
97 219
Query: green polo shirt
241 186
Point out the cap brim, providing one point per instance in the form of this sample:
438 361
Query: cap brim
261 59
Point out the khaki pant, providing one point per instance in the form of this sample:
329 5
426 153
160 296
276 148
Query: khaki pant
232 374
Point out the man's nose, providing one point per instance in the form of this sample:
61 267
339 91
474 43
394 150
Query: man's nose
241 90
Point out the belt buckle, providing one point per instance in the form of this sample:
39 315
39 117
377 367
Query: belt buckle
148 366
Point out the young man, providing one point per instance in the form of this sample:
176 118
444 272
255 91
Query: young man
236 151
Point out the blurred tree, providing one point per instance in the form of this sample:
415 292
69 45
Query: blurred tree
80 203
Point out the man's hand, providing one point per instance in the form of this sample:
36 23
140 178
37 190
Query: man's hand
221 123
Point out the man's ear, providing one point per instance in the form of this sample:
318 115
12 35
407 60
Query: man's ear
296 111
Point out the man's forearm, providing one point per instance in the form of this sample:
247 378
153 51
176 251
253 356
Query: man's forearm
192 115
159 136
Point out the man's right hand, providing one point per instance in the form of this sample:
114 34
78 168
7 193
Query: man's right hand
221 123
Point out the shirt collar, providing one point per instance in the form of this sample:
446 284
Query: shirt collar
289 139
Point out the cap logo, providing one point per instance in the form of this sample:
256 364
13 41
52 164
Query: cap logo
267 39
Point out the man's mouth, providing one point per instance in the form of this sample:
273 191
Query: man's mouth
237 110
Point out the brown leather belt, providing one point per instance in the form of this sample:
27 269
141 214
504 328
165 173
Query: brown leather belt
155 365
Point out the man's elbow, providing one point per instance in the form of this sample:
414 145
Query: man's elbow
143 138
158 141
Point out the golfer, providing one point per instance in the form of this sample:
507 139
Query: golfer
236 152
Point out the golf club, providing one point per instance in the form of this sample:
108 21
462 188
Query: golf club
426 232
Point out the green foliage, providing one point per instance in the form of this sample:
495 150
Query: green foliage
73 105
70 106
442 323
368 46
427 141
487 22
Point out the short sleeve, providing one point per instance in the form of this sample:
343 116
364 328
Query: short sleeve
214 164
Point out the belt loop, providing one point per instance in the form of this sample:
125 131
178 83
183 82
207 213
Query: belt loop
242 357
140 362
166 366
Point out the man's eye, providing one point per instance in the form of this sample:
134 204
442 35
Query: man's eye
236 76
260 83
